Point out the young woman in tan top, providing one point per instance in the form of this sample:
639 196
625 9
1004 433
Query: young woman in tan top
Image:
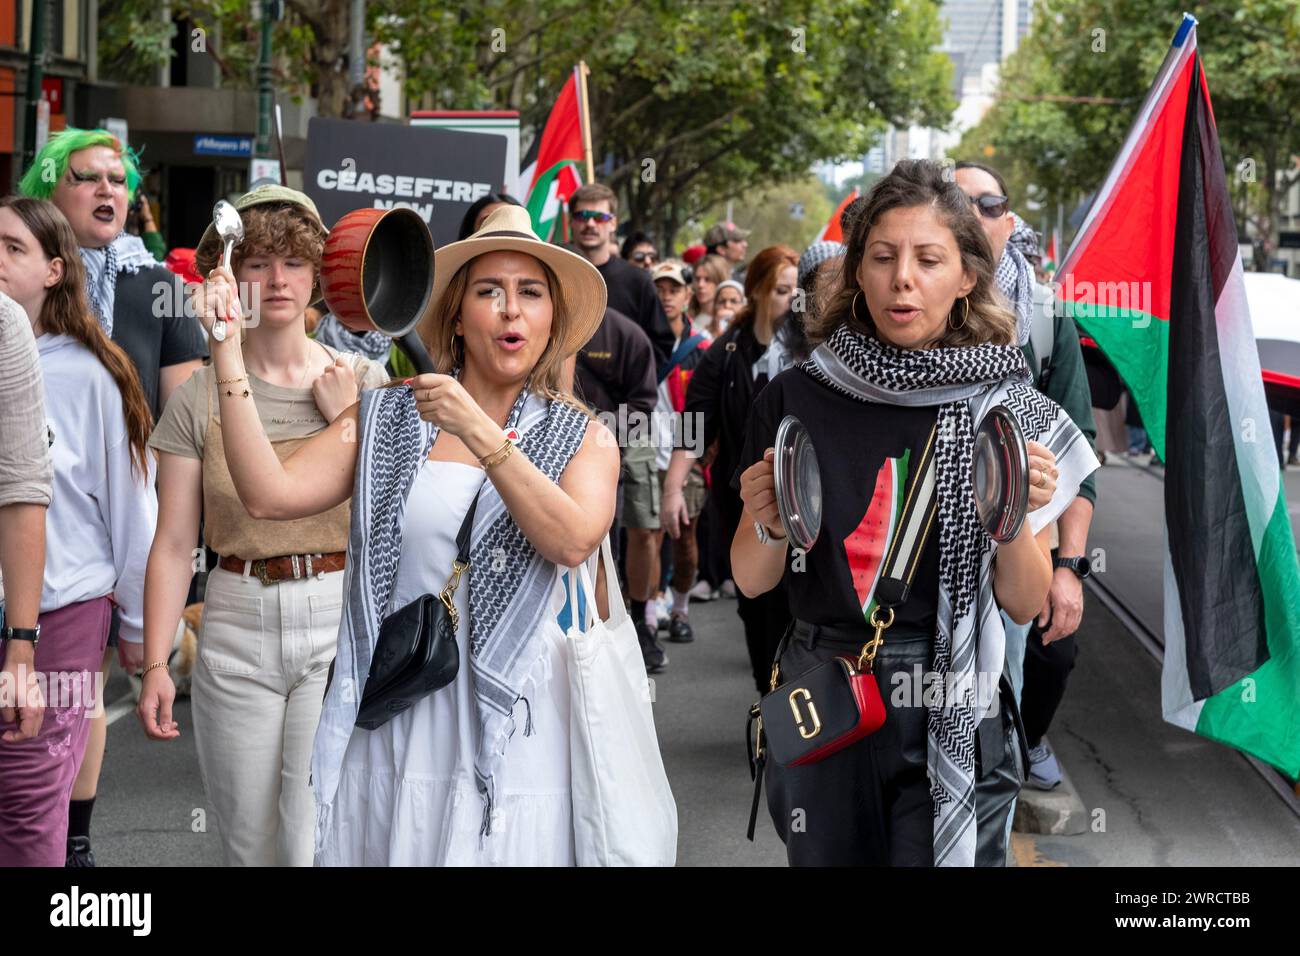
272 604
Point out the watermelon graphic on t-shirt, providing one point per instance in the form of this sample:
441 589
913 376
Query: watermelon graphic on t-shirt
866 545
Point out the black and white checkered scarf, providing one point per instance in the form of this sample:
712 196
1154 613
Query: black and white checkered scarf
969 647
1014 278
510 584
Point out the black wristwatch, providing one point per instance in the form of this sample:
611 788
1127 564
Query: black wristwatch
32 634
1080 566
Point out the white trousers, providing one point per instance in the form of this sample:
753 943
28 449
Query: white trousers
264 653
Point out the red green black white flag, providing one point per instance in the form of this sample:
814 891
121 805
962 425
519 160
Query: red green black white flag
1155 277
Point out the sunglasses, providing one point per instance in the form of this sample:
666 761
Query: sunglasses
644 257
590 215
990 206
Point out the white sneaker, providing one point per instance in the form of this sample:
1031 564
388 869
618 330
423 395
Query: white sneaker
664 610
728 589
1044 769
701 591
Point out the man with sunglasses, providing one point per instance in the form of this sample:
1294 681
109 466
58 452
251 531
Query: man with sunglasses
594 219
1041 654
639 249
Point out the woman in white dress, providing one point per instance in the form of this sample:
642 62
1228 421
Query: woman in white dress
478 771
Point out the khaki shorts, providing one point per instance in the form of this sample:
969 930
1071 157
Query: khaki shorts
640 488
693 491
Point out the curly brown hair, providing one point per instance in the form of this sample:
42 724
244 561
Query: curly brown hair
921 182
276 228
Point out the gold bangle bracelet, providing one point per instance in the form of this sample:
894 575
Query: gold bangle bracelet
231 381
487 459
498 457
152 666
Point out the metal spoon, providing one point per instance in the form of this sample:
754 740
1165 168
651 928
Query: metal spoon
230 227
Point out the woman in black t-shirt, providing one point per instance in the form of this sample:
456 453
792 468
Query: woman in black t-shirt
736 367
913 340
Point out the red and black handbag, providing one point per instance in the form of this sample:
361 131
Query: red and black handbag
838 702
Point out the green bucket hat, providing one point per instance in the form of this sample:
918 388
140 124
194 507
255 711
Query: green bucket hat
266 193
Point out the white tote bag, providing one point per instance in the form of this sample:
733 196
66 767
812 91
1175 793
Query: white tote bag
623 808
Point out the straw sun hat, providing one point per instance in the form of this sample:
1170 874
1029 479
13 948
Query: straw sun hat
510 229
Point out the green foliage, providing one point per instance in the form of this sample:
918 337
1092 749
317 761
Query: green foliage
1054 151
766 213
724 96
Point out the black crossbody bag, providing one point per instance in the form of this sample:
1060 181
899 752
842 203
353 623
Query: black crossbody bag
416 653
837 702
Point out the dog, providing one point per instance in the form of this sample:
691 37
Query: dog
185 649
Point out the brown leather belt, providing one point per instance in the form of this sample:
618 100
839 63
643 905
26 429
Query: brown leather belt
286 567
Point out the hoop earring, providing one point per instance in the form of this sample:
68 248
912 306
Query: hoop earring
853 307
459 359
964 315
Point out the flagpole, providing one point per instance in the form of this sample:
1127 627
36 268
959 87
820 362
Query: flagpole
584 111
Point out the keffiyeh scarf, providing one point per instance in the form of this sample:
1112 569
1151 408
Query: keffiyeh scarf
126 253
1014 278
969 646
373 345
510 584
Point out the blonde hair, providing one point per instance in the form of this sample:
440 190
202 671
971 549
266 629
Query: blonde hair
921 182
447 349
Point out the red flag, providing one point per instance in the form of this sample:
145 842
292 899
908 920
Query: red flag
832 232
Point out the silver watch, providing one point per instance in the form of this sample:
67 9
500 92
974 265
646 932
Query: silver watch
765 536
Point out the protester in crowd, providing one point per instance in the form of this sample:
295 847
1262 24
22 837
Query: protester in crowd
639 249
715 544
615 376
816 275
26 482
98 528
92 178
1051 346
480 209
374 345
727 303
680 508
594 211
272 603
728 240
735 368
915 318
449 780
706 276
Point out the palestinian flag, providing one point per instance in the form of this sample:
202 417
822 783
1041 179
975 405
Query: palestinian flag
553 171
866 545
1155 277
1052 257
832 231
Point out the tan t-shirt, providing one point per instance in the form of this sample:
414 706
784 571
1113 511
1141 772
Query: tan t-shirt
190 427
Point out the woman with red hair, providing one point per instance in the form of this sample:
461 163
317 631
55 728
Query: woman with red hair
734 370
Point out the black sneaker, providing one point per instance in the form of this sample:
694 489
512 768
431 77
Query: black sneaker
79 852
651 651
679 630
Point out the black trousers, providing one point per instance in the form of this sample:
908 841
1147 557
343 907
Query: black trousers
1047 671
766 619
869 804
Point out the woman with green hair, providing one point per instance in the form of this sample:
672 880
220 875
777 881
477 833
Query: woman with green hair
91 177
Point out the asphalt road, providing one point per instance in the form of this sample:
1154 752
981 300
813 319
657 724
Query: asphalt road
1156 794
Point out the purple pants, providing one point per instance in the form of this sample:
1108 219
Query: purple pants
36 775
